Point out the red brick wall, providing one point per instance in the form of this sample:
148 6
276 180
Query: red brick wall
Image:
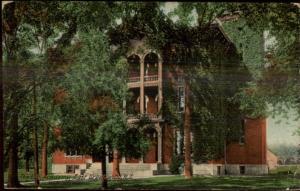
59 157
254 150
236 154
167 144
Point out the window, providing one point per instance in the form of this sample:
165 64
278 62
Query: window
71 168
242 169
181 99
242 140
242 132
72 153
219 170
180 80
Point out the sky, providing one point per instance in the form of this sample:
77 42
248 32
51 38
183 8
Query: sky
280 130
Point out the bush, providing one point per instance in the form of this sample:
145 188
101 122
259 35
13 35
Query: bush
175 164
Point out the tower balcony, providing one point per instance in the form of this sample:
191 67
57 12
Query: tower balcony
135 118
150 80
134 82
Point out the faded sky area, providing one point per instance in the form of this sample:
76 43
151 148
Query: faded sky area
280 130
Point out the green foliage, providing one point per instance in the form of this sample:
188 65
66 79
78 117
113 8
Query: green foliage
176 163
249 44
170 109
89 62
251 102
280 80
112 132
92 115
88 79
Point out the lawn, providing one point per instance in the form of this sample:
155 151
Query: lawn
24 177
179 182
286 169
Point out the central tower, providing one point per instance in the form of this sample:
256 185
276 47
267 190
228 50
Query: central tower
145 86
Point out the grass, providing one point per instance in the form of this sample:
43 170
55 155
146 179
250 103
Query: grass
179 182
286 169
24 177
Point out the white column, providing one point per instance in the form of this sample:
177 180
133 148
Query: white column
159 143
142 87
159 85
123 159
107 154
124 106
174 140
146 103
142 159
178 138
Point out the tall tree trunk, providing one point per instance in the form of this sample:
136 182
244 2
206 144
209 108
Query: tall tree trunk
1 116
11 48
27 165
116 164
187 135
13 180
103 169
44 151
35 141
225 157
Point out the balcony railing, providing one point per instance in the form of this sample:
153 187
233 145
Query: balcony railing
151 116
151 78
134 79
146 78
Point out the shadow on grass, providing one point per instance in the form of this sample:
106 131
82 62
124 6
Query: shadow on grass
212 182
180 183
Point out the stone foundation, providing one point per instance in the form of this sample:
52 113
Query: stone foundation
62 168
137 170
235 169
208 169
232 169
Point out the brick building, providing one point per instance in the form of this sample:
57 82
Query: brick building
147 72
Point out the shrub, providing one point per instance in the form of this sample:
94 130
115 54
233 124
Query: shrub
176 162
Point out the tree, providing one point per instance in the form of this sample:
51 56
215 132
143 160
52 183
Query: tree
35 31
113 133
278 82
45 26
12 92
94 103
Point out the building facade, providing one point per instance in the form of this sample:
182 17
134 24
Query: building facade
147 73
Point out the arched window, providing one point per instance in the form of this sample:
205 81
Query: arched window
134 65
151 64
